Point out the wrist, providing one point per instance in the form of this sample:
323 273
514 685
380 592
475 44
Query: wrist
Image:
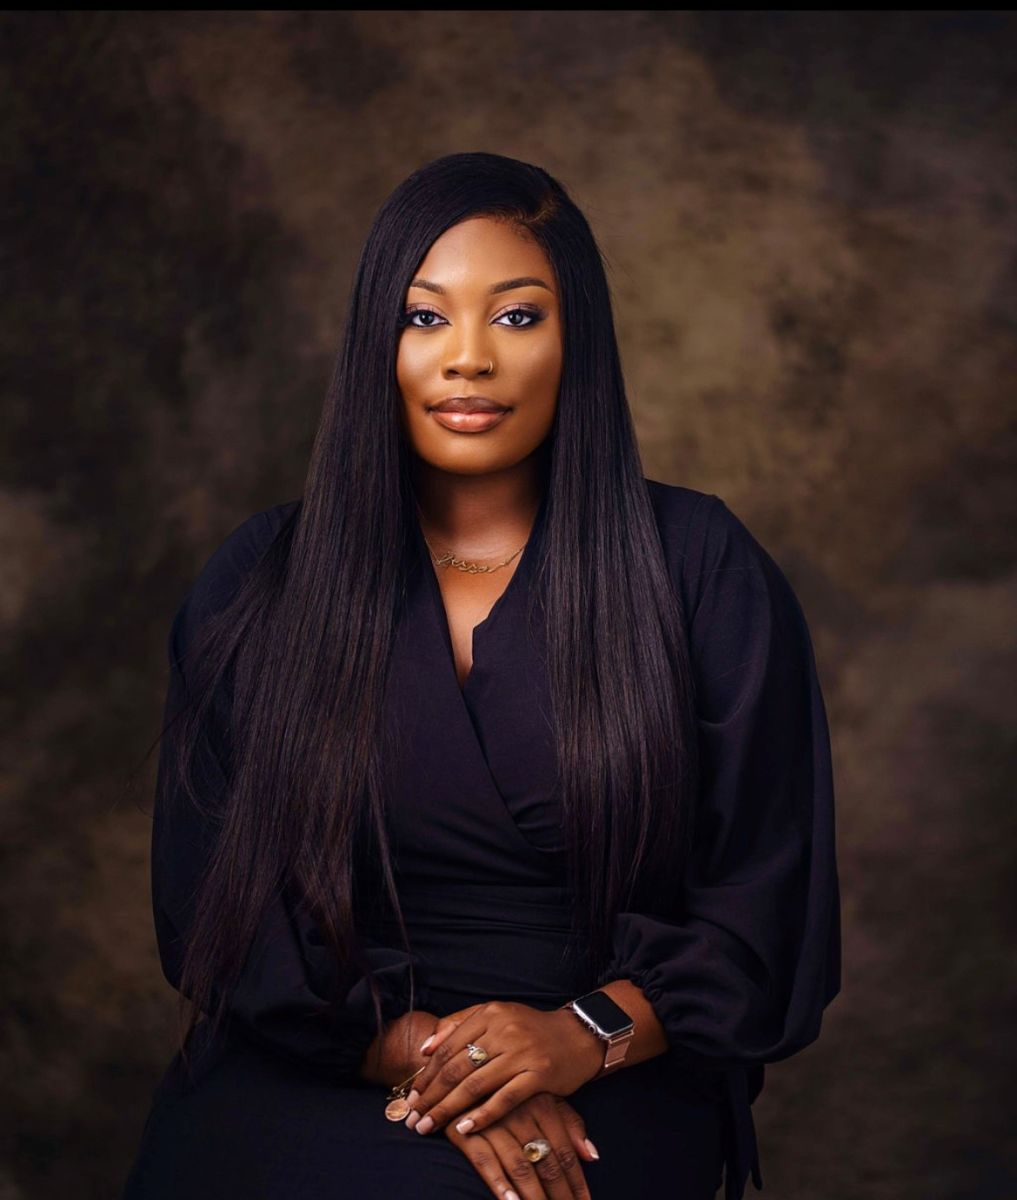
399 1044
584 1045
613 1026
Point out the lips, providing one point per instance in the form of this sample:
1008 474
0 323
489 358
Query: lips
469 404
474 421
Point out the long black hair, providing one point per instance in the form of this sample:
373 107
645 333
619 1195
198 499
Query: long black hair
304 645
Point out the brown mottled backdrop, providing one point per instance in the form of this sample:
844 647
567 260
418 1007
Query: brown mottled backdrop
810 222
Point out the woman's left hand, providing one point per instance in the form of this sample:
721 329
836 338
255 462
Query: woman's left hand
499 1159
530 1051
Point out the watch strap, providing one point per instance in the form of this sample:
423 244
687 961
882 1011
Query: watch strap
617 1048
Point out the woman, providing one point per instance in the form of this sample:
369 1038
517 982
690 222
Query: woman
486 723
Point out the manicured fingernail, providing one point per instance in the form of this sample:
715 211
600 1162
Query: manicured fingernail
413 1097
465 1125
412 1119
425 1125
510 1195
427 1043
591 1147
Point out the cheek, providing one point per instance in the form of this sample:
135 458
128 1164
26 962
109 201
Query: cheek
405 368
541 365
410 397
415 362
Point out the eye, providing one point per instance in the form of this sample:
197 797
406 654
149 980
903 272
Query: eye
410 313
535 315
531 314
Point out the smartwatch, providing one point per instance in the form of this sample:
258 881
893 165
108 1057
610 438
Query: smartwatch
609 1021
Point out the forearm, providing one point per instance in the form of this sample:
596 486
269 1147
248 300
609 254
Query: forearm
648 1041
400 1043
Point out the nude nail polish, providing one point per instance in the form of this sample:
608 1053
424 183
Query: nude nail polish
591 1147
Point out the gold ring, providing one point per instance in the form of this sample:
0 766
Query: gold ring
478 1055
537 1150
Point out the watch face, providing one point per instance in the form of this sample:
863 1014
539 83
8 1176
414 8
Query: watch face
602 1010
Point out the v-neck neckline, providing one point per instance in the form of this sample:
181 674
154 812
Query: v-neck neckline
482 627
453 715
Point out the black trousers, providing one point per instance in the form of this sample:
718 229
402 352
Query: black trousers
254 1127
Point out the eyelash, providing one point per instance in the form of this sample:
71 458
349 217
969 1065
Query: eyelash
534 313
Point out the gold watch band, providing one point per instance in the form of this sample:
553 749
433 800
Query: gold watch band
617 1048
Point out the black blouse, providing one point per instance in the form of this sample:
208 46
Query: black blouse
740 972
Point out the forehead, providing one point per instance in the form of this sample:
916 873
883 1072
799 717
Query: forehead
481 251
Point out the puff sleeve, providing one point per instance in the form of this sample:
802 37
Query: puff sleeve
280 999
741 975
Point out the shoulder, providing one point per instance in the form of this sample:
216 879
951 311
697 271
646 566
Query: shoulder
238 553
701 536
229 564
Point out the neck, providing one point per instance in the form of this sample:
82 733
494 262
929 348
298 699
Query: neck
479 516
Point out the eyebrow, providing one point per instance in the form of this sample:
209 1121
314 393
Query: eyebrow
506 285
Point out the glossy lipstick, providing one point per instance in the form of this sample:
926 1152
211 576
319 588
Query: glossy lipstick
469 414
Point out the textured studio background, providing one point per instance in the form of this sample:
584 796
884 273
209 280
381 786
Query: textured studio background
810 224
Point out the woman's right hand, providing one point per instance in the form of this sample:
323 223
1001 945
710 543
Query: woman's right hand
496 1152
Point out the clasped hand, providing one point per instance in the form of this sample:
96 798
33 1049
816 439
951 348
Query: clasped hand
530 1051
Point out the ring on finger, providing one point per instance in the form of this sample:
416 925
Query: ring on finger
477 1054
537 1149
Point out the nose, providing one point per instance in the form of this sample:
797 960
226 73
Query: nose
467 357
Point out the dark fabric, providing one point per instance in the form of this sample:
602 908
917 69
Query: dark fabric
738 974
280 1001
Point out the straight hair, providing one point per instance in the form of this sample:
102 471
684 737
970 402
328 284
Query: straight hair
299 655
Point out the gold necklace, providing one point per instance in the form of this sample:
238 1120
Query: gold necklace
449 559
